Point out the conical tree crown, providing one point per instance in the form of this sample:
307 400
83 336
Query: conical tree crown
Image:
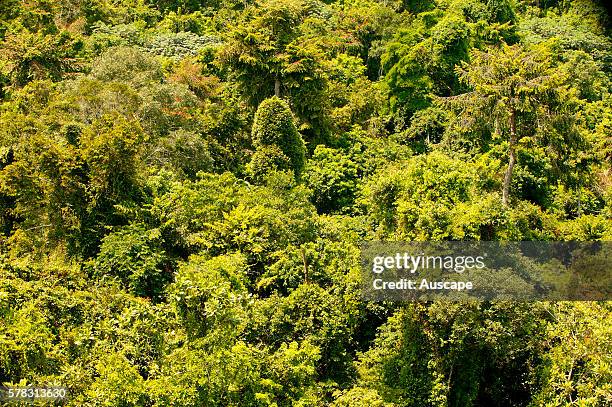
274 126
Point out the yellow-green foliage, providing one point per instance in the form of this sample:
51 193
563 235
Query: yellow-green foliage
185 187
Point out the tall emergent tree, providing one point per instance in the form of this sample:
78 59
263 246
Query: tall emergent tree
260 50
270 53
516 93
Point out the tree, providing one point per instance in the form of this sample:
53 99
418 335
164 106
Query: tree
269 54
184 152
266 160
516 93
455 354
273 126
164 242
257 52
210 296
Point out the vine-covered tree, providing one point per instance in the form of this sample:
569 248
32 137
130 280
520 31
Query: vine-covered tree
274 126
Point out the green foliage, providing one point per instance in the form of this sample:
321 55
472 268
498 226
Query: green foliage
309 313
134 255
405 197
419 60
574 371
273 126
105 36
512 89
427 128
270 54
110 149
354 98
266 160
29 56
127 64
118 383
196 22
571 36
218 213
179 45
332 176
435 354
167 239
359 397
211 296
491 11
261 48
183 152
129 81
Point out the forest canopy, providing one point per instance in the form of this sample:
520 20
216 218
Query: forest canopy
184 186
